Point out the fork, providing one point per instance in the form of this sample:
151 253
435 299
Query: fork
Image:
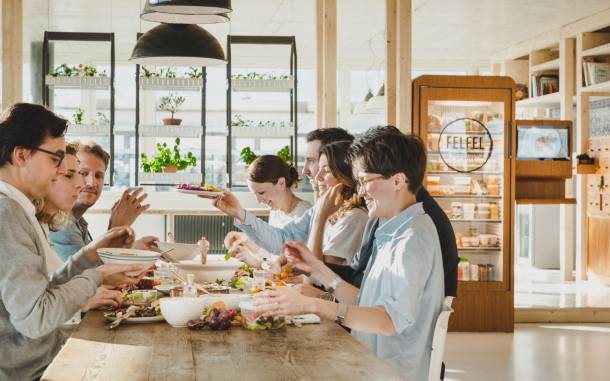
131 310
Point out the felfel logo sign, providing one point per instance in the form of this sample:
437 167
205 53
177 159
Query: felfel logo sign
465 145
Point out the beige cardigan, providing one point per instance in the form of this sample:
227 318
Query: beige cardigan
32 306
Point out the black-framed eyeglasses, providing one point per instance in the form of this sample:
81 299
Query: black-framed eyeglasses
361 182
59 156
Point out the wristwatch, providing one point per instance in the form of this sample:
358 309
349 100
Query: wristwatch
341 313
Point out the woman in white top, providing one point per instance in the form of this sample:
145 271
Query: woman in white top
272 181
54 212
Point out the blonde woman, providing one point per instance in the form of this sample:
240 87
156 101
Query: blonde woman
53 213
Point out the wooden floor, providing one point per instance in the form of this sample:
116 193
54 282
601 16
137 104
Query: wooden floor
543 352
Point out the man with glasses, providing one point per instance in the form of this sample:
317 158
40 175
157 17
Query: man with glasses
93 164
34 304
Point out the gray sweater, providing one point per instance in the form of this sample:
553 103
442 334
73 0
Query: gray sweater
32 307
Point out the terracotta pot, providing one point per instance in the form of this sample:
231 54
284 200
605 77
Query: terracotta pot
170 169
172 121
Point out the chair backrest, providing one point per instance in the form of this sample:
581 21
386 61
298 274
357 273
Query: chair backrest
438 340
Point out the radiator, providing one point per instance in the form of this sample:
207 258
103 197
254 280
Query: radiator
189 229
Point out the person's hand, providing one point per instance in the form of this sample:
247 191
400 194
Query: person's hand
282 301
234 238
147 243
122 236
329 202
229 204
114 274
128 208
299 255
242 253
104 297
308 290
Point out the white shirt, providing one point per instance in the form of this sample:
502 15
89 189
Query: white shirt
279 219
342 239
53 261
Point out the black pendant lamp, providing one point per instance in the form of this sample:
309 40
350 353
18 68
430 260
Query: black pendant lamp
149 14
178 45
191 7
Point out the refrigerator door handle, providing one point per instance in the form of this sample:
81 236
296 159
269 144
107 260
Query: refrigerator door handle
509 125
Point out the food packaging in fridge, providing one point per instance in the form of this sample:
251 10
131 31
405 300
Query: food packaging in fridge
493 190
468 211
457 210
433 180
474 272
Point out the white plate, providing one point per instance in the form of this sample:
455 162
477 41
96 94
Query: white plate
137 320
200 192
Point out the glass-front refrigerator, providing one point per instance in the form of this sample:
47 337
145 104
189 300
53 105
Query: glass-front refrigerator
466 124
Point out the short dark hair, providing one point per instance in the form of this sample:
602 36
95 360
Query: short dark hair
96 150
27 125
387 151
329 135
269 169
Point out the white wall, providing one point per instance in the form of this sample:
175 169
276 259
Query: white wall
545 238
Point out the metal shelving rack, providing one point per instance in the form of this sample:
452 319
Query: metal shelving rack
46 63
262 40
138 134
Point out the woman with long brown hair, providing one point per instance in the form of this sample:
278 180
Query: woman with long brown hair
340 214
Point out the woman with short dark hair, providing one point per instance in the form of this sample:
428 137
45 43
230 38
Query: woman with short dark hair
394 312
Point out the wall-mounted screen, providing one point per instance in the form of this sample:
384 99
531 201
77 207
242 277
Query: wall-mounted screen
543 142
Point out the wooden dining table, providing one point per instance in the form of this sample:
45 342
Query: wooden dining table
157 351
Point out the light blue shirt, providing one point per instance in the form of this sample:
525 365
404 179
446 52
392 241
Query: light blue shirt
74 237
405 277
271 238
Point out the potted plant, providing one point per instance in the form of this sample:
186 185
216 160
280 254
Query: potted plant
146 73
169 72
285 155
247 156
583 158
168 160
194 72
171 104
77 117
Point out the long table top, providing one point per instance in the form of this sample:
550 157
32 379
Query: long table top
159 352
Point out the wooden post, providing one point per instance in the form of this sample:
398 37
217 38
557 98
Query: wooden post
391 60
582 142
12 52
403 88
330 63
567 72
319 63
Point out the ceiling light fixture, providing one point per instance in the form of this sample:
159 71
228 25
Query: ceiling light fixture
178 45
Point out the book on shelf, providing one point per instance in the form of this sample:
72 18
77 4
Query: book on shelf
544 84
595 72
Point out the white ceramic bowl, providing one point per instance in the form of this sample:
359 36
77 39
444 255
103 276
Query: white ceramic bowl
215 268
232 301
178 311
128 257
181 252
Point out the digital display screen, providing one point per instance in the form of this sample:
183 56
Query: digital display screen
543 143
